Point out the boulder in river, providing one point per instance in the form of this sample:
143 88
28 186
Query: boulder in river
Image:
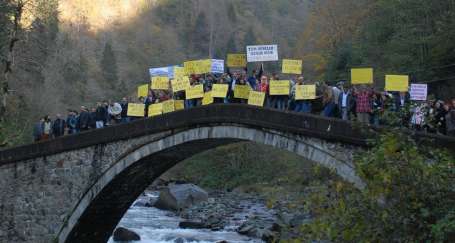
123 234
192 225
179 196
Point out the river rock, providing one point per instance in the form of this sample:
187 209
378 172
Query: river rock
192 225
179 196
123 234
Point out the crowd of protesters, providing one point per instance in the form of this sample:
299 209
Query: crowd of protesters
348 102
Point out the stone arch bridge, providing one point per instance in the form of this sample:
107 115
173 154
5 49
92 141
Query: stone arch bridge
77 188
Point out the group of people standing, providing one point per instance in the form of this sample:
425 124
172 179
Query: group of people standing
357 102
103 114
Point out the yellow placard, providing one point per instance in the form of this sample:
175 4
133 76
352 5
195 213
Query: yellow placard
136 110
208 99
305 92
160 83
361 76
143 90
279 87
397 83
291 66
236 60
179 72
188 66
198 66
179 105
195 92
256 98
155 109
241 91
219 90
168 106
180 84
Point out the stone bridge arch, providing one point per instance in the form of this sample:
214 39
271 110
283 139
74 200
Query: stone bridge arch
77 188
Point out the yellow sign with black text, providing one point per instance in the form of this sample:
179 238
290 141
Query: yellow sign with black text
236 60
361 76
155 109
256 98
180 84
160 83
219 90
305 92
291 66
279 87
242 91
142 91
397 83
195 92
136 110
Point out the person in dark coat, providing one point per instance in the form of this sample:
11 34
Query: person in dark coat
124 114
83 120
58 126
92 119
71 122
38 130
100 115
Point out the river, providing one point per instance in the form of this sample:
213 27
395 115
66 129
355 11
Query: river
159 226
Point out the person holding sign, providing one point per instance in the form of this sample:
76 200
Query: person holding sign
279 92
263 87
220 91
301 101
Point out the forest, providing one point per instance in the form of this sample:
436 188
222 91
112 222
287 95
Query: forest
60 54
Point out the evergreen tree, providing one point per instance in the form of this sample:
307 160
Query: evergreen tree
201 35
109 65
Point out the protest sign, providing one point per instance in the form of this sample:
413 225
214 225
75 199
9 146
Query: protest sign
179 72
155 109
361 76
397 83
136 110
217 66
241 91
279 87
180 84
160 72
219 90
168 106
256 98
143 90
305 92
194 92
262 53
188 66
179 105
418 92
160 83
208 99
236 60
291 66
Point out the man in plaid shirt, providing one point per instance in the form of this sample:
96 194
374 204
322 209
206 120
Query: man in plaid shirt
363 103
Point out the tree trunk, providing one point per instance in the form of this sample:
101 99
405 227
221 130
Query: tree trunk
8 63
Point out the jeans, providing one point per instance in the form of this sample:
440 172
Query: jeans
189 104
344 113
99 124
125 120
328 109
302 106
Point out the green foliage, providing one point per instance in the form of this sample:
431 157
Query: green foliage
109 65
247 165
409 197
